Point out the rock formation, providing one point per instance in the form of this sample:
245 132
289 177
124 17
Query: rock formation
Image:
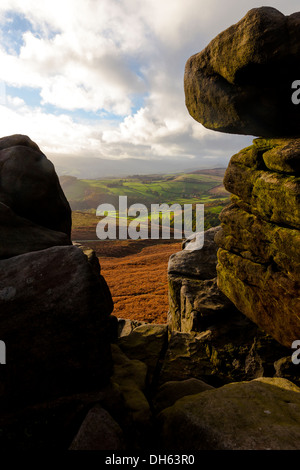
259 256
165 404
241 82
54 303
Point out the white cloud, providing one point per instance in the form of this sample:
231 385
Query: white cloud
103 56
53 133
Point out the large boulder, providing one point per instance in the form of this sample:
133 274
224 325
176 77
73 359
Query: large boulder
29 185
263 414
54 314
241 83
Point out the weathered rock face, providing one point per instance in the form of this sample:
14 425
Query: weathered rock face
195 301
234 349
29 185
259 257
241 83
54 314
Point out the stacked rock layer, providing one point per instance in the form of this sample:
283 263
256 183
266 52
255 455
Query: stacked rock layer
242 83
259 256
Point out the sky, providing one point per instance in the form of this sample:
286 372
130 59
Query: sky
104 78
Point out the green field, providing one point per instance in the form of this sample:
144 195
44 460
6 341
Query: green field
202 187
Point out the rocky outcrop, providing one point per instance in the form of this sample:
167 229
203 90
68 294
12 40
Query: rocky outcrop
213 379
241 82
259 257
30 188
195 301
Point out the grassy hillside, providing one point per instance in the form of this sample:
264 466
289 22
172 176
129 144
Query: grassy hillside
200 187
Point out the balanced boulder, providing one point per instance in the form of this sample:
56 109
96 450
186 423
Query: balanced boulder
241 83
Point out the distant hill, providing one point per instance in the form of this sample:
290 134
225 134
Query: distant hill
214 171
89 167
196 187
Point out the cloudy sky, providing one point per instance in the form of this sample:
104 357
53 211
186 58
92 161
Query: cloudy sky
104 78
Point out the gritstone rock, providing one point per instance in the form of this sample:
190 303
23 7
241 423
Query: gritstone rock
258 260
241 83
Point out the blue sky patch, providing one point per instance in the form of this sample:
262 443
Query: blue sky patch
12 29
